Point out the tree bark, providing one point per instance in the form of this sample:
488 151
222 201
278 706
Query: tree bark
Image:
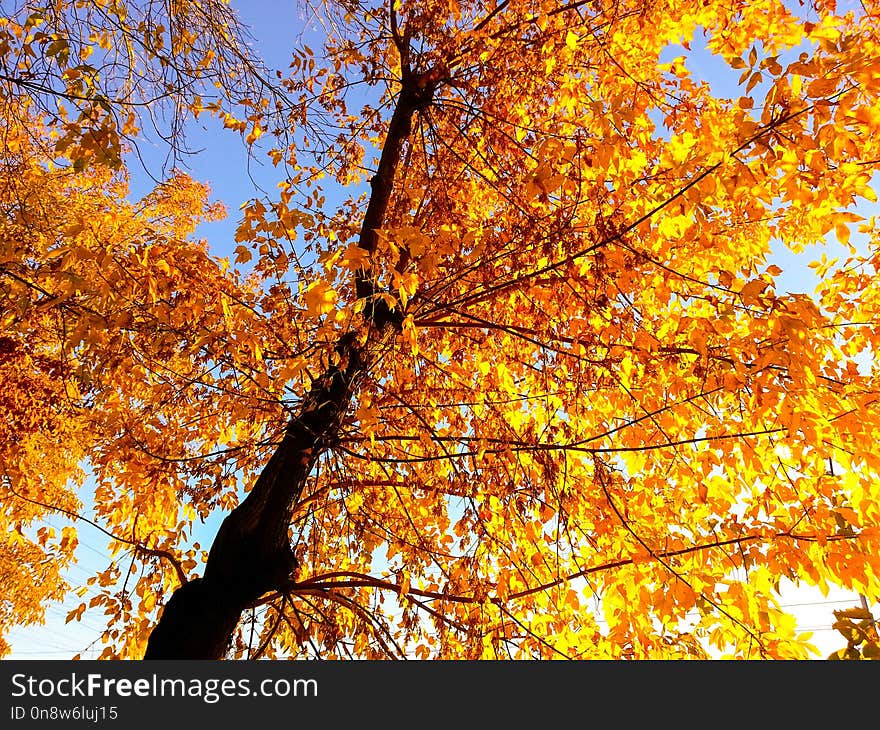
251 554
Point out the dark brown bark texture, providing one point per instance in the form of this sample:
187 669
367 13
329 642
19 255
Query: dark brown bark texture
251 554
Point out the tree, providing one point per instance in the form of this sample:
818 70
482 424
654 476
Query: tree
859 628
531 390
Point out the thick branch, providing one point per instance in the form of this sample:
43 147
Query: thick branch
251 554
416 92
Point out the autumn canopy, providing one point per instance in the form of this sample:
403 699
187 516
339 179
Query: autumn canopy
516 361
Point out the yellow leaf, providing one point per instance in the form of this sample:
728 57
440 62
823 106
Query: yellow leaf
320 298
751 291
242 254
254 134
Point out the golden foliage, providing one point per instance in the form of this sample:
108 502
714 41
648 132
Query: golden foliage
604 429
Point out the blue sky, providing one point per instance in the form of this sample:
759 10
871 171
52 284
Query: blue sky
220 158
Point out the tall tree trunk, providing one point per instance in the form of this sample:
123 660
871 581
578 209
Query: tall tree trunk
251 554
